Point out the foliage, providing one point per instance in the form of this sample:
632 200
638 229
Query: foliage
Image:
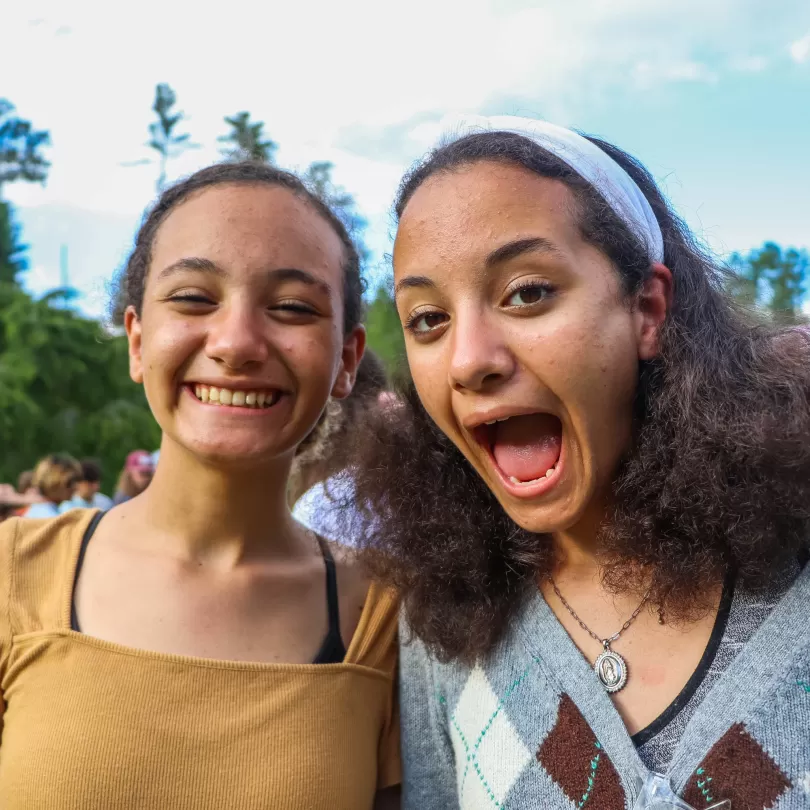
246 140
12 260
774 279
384 331
163 138
64 386
21 148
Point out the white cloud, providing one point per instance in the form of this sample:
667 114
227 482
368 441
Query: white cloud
648 74
750 64
800 49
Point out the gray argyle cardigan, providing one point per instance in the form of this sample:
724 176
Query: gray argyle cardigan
529 728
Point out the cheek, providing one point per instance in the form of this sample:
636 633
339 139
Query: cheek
165 347
594 372
430 377
313 359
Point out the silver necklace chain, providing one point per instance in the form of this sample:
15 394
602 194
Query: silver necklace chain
605 642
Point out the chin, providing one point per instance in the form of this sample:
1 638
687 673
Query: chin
544 518
540 521
230 454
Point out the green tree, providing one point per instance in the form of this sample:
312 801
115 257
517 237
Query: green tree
384 330
12 258
164 138
246 140
773 279
64 385
21 159
21 148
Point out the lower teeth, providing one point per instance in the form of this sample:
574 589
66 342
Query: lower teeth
548 474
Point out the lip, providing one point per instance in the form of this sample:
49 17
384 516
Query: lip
518 491
474 421
239 410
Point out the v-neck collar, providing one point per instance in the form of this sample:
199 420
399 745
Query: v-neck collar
555 652
749 677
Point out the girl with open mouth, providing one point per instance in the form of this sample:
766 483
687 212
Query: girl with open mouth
196 647
597 502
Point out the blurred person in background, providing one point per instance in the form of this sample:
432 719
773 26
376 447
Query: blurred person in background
87 494
55 479
12 502
321 486
25 483
27 491
135 477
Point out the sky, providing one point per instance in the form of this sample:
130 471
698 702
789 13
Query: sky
713 97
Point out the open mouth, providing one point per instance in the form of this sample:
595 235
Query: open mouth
235 398
526 450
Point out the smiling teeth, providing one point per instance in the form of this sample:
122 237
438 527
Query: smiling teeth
240 399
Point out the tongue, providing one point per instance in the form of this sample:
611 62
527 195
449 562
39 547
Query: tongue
527 447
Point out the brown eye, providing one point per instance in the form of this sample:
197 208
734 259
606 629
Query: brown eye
529 294
422 323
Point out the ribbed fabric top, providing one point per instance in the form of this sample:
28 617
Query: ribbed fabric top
92 724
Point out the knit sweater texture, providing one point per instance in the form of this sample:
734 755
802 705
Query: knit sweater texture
530 727
91 724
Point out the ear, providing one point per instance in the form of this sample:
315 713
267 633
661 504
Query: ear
652 305
132 324
354 346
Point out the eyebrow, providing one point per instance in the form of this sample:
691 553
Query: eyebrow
511 250
413 282
200 265
504 253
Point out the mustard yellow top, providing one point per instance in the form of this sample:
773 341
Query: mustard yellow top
91 724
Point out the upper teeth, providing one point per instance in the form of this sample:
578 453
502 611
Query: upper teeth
496 420
245 399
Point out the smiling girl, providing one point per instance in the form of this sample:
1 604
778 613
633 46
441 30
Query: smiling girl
597 505
196 647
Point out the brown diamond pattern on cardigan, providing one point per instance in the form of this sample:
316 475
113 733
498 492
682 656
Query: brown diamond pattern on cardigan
574 759
737 768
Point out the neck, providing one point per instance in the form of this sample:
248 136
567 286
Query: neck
578 549
204 512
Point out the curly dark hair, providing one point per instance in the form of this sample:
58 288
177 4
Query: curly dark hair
131 281
330 447
717 475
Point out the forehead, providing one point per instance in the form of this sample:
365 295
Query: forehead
241 224
467 212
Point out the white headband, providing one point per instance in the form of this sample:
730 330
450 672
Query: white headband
589 161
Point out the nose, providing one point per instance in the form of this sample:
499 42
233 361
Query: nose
237 336
481 358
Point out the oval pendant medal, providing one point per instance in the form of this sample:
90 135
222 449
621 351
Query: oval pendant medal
611 669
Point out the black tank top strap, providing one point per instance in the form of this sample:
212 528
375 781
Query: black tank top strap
332 651
88 533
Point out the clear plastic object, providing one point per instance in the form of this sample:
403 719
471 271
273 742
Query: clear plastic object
656 794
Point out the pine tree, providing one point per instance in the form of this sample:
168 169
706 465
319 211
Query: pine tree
246 140
772 279
12 258
164 139
20 148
